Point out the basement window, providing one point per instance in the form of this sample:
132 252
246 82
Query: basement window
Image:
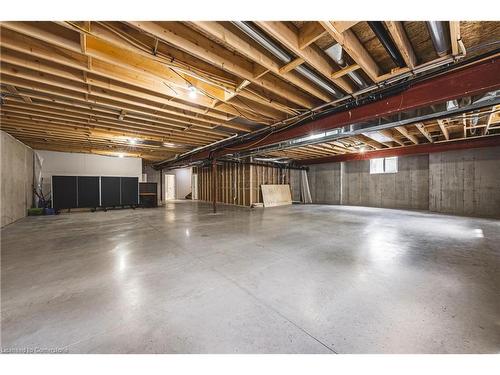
384 165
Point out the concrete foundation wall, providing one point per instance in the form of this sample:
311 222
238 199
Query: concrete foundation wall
16 185
295 184
466 182
408 188
324 183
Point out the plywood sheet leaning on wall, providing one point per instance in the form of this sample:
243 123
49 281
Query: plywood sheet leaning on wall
276 195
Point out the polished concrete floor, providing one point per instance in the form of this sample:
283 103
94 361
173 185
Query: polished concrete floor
295 279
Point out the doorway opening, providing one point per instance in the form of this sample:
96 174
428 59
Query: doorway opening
169 187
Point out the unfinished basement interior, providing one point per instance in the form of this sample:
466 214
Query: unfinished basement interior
250 186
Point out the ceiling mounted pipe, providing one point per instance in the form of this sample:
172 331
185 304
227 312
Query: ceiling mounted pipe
336 52
471 80
282 55
372 127
477 76
313 77
439 37
386 40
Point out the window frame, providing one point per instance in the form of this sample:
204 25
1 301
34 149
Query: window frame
384 165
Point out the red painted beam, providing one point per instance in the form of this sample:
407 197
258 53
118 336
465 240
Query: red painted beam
472 80
469 80
427 148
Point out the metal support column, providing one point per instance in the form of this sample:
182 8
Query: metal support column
214 184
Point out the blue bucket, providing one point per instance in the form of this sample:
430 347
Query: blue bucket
49 211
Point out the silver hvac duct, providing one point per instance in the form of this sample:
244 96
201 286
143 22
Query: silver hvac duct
439 37
260 38
336 53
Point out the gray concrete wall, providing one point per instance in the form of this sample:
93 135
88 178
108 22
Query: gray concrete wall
466 182
324 183
351 183
408 188
16 183
295 184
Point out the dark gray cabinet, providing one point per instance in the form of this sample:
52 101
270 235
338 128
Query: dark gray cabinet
94 191
64 192
129 190
110 191
88 192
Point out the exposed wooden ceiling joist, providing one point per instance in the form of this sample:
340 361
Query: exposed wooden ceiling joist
13 90
401 40
346 70
442 126
424 131
90 85
318 60
183 38
11 110
309 33
342 26
139 70
103 70
291 65
218 31
61 106
406 134
389 134
455 37
348 40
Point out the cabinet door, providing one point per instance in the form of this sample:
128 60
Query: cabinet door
130 190
88 191
110 191
64 192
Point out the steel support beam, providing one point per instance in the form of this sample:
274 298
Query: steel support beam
470 80
427 148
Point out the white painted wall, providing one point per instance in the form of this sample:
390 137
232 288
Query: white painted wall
182 181
78 164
